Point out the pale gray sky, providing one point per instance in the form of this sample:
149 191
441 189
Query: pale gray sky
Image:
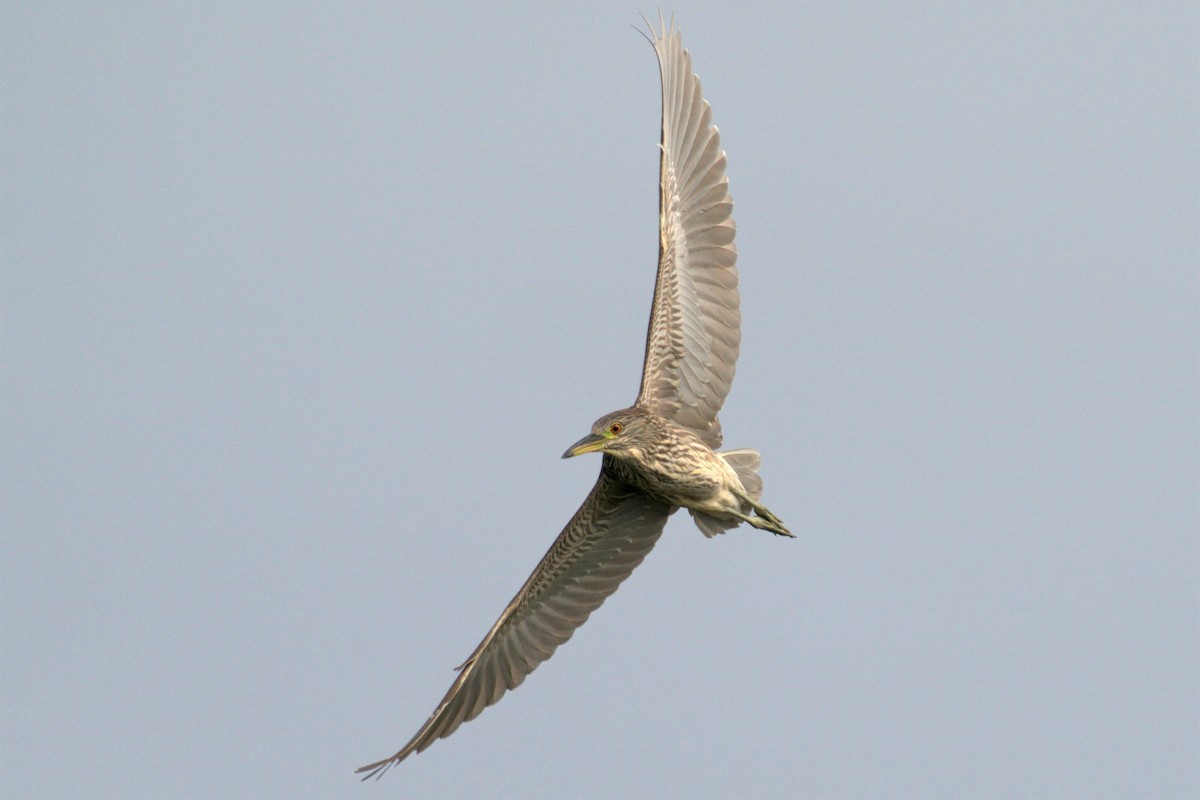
301 305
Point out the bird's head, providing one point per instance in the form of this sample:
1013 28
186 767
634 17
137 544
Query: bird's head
618 434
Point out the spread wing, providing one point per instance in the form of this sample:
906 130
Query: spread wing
695 325
607 538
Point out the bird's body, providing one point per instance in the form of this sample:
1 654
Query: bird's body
680 471
660 454
674 466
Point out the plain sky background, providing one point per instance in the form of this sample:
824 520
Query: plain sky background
302 303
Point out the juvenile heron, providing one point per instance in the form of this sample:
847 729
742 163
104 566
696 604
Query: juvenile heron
658 454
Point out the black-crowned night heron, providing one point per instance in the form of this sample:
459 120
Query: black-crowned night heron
659 454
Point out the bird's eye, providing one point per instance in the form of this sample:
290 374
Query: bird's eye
615 428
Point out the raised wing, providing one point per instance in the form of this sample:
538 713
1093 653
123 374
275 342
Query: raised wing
695 324
607 538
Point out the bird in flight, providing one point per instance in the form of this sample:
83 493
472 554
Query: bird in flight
659 454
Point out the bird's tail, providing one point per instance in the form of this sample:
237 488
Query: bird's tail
745 464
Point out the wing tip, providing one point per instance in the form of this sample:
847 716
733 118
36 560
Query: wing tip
378 769
666 28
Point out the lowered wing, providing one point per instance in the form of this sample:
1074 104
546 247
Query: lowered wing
607 538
